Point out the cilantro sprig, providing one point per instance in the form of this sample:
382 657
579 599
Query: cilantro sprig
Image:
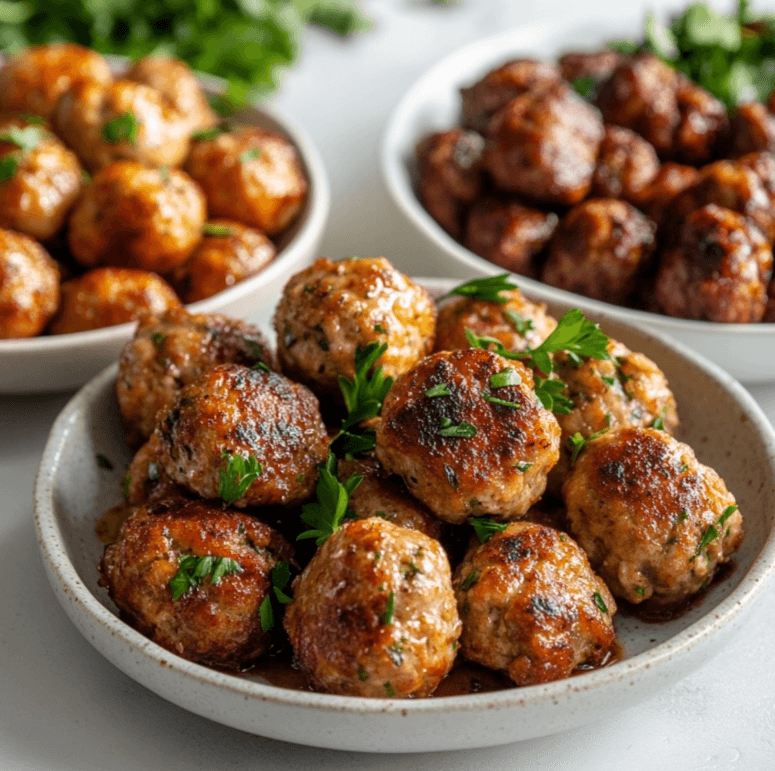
488 289
236 478
280 576
577 442
192 570
485 528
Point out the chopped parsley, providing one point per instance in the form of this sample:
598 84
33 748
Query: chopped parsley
24 138
208 134
104 462
487 289
380 329
362 674
387 617
442 389
577 442
485 528
250 155
9 165
585 87
461 430
501 402
236 478
523 465
600 602
470 580
711 532
389 690
210 229
123 128
506 377
521 324
280 576
193 570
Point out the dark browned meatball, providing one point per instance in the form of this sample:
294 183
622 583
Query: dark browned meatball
544 144
703 127
145 480
626 165
508 233
769 311
531 606
752 130
216 621
600 249
449 175
373 614
597 65
718 270
655 198
763 165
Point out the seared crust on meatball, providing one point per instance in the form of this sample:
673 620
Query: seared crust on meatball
170 351
29 286
769 312
373 614
654 522
703 127
213 623
145 480
531 605
463 454
233 410
331 309
752 130
597 65
627 163
655 198
250 175
137 217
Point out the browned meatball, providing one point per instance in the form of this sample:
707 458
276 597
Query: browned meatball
597 65
654 521
518 323
703 127
600 249
170 351
29 286
250 175
655 198
531 606
137 217
467 453
216 621
752 129
228 253
373 614
483 99
626 165
449 175
544 144
145 480
33 80
769 311
763 165
104 297
255 413
508 233
331 309
718 270
43 181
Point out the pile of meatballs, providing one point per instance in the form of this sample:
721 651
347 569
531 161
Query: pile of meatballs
404 586
642 193
124 194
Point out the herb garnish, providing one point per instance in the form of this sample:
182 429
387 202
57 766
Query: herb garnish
501 402
711 532
26 139
250 155
487 289
462 430
236 478
470 580
442 389
387 617
104 462
9 165
522 325
193 570
391 692
577 442
208 134
485 528
506 377
585 87
600 602
123 128
210 229
280 576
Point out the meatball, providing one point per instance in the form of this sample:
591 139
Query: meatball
531 606
508 233
718 270
769 312
703 126
145 480
170 351
29 286
216 621
373 614
763 165
250 175
752 129
42 182
137 217
122 121
228 253
597 65
331 309
231 410
600 249
104 297
518 323
483 99
626 165
449 176
479 443
655 198
653 520
34 79
543 145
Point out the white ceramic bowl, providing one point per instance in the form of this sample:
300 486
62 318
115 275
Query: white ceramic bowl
719 419
65 362
747 351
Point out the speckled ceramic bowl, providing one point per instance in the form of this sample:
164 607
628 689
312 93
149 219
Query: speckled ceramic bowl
719 419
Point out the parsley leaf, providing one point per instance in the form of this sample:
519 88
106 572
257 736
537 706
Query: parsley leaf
487 289
485 528
550 393
209 134
209 229
26 139
387 617
470 580
9 165
442 389
123 128
506 377
577 442
600 602
502 402
236 478
463 430
193 570
585 87
521 325
250 155
280 576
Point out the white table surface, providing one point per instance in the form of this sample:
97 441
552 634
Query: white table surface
64 708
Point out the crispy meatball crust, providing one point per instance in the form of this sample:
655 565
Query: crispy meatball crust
752 130
212 624
136 217
234 410
252 176
374 614
641 505
331 309
170 351
531 605
145 480
104 297
627 163
501 469
29 286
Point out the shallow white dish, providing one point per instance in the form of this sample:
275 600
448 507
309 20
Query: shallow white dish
747 351
719 419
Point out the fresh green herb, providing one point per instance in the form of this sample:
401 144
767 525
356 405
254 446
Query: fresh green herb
380 329
264 367
577 442
600 602
236 478
391 692
104 462
85 177
209 229
26 139
33 120
470 580
193 570
209 134
585 87
522 325
387 617
640 591
362 674
487 289
550 393
485 528
708 536
396 653
123 128
506 377
442 389
682 516
684 467
523 465
126 482
461 430
727 513
659 421
9 165
501 402
157 338
250 155
609 381
280 575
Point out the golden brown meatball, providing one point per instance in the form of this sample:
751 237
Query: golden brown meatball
626 165
752 130
531 606
29 286
232 410
145 480
137 217
228 253
655 198
216 621
170 351
104 297
654 522
331 309
597 65
250 175
485 447
34 79
373 614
